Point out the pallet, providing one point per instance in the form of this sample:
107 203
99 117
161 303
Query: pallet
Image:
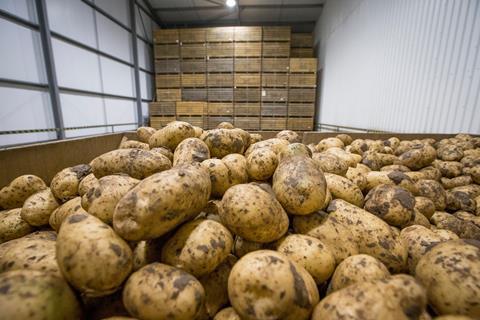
276 49
248 34
247 123
247 80
302 95
159 122
274 80
248 64
248 49
274 95
213 122
301 109
301 40
167 66
194 94
194 121
274 109
247 94
275 64
276 33
194 80
303 65
194 66
167 51
169 94
247 109
193 50
191 108
167 81
220 65
220 79
300 124
162 108
303 80
220 108
302 53
193 35
219 50
220 34
273 123
220 94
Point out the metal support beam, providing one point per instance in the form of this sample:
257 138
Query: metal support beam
250 6
50 67
153 14
229 22
138 94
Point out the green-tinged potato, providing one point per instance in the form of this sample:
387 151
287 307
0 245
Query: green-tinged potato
165 151
88 182
253 213
198 131
450 152
462 228
254 138
294 149
455 182
342 188
171 135
473 172
375 160
418 218
161 202
261 164
66 209
189 151
100 201
14 195
91 256
222 142
330 163
219 176
351 159
425 206
449 169
399 297
198 247
65 183
310 253
459 200
450 272
146 252
237 166
396 178
373 235
357 269
434 191
242 246
395 167
275 144
467 216
392 204
159 292
227 314
299 185
12 226
133 144
266 284
346 139
328 143
419 156
289 135
33 294
38 207
144 133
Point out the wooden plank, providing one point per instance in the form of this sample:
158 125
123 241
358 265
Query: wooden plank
274 79
301 40
220 94
248 64
248 34
247 94
194 80
162 36
220 108
220 79
274 95
248 49
167 51
302 95
276 49
194 121
167 66
247 123
275 64
193 50
169 94
194 66
302 53
191 108
191 35
218 50
161 108
301 124
198 94
220 34
303 65
247 109
247 80
301 109
303 80
220 65
273 123
277 33
159 122
167 81
274 109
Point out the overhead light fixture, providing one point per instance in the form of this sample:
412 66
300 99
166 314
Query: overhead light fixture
230 3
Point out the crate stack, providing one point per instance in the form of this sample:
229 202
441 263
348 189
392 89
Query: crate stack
302 45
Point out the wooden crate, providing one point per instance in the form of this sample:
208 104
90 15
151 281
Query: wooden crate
273 124
301 53
247 79
248 64
213 122
306 65
276 33
194 94
166 36
274 109
191 35
302 95
219 50
167 51
300 124
301 109
194 66
194 80
276 49
193 50
301 40
194 121
220 80
191 108
220 94
169 94
159 122
167 80
161 108
167 66
275 64
246 109
274 80
220 108
220 34
303 80
248 34
248 49
274 95
220 65
247 94
247 123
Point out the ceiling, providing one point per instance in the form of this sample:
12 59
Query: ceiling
300 14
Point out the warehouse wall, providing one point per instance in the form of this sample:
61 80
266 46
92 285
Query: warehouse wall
94 66
406 66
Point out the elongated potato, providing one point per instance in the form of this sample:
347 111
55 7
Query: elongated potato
220 176
396 178
237 166
144 133
38 207
448 183
171 135
58 215
15 194
419 156
12 226
65 183
190 150
459 200
328 143
86 183
133 144
261 164
462 228
275 144
395 167
342 188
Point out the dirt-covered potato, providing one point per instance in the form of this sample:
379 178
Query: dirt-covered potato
351 159
171 135
230 314
253 213
65 183
328 143
449 169
395 167
450 272
219 176
453 317
474 173
342 188
462 228
289 135
265 284
14 195
418 218
261 164
356 269
430 173
189 151
330 163
146 252
311 253
91 256
198 131
459 200
345 138
225 125
88 182
144 133
293 149
242 246
133 144
396 178
434 191
467 216
419 156
107 307
33 294
38 207
376 160
358 175
161 202
425 206
222 142
275 144
12 226
198 247
100 201
455 182
237 166
299 185
66 209
473 190
450 152
165 151
254 138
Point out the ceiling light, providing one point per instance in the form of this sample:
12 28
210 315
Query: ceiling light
230 3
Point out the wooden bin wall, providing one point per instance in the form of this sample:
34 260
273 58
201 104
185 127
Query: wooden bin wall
158 122
301 109
279 123
274 109
162 108
276 49
303 65
274 95
301 52
303 80
247 94
247 108
167 66
194 80
302 95
247 123
218 50
191 108
169 94
220 79
247 80
301 124
248 49
248 34
275 64
167 51
301 40
197 94
274 79
276 33
194 121
220 34
220 94
194 66
248 64
213 122
190 35
162 36
193 50
220 65
220 108
167 80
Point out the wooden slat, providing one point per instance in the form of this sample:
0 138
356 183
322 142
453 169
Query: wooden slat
301 124
193 35
193 50
167 66
303 80
194 66
275 64
162 36
301 109
247 108
169 94
162 108
276 33
216 50
274 79
248 64
274 95
194 80
274 109
247 94
247 80
248 34
247 123
191 108
194 121
213 122
276 49
301 95
220 80
301 53
248 49
301 40
303 65
194 94
220 34
220 108
159 122
167 51
220 65
273 123
220 94
167 80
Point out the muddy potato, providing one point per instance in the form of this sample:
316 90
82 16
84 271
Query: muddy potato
330 163
219 176
289 135
473 190
253 213
396 178
345 138
303 224
33 294
327 143
198 131
459 200
91 256
419 156
434 191
358 177
431 173
237 167
144 133
376 161
225 125
88 182
444 234
310 253
164 151
293 149
351 159
450 272
38 207
12 226
161 202
392 142
171 135
227 314
14 195
450 152
275 144
254 138
467 216
453 317
242 246
265 284
449 169
358 146
65 183
395 167
356 269
66 209
463 229
222 142
189 151
425 206
159 292
261 164
473 172
133 144
146 252
342 188
418 218
455 182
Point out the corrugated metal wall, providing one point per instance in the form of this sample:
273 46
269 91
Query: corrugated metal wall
400 65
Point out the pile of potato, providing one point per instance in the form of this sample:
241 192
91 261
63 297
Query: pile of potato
220 224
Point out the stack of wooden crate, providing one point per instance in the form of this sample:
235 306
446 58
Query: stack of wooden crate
302 91
301 45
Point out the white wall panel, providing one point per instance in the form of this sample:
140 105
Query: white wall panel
22 8
120 111
117 78
145 56
117 8
144 24
146 83
406 66
113 39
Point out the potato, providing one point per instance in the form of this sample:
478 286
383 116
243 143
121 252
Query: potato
189 151
459 200
91 256
225 125
265 284
159 291
419 156
357 269
242 246
161 202
65 183
33 294
450 152
462 228
392 204
86 183
450 272
303 224
350 158
293 149
425 206
219 176
453 317
289 135
474 173
345 138
392 142
237 166
358 177
100 201
445 235
299 185
164 151
38 207
310 253
222 142
198 131
14 195
12 226
395 167
431 173
375 160
342 188
144 133
198 247
330 163
434 191
328 143
455 182
473 190
171 135
275 144
254 138
467 216
418 218
133 144
261 164
253 214
66 209
396 178
449 169
227 314
146 252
